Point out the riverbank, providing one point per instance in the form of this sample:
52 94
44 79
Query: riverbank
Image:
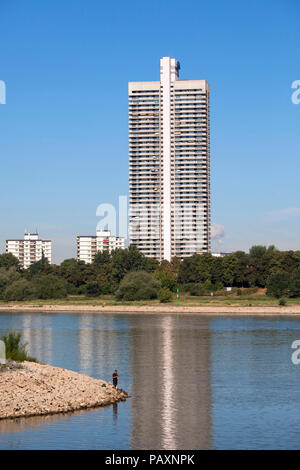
210 310
32 389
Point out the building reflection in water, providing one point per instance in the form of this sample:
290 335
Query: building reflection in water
171 393
100 347
163 362
37 333
85 344
167 382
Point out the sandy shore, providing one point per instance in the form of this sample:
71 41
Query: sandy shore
210 310
37 389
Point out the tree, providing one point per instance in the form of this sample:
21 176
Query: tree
105 280
166 278
229 263
279 284
73 271
49 287
101 258
19 290
295 283
257 251
290 261
7 260
217 271
195 269
241 271
130 259
3 284
170 266
187 273
93 289
138 286
39 267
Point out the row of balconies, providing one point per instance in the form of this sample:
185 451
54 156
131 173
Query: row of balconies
143 103
153 127
142 113
150 140
143 145
137 162
189 106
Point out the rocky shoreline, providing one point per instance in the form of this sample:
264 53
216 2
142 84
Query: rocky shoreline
32 389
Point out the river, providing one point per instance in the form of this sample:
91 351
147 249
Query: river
195 382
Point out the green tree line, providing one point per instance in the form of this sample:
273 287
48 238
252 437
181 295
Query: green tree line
129 275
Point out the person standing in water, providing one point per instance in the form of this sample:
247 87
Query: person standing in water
115 378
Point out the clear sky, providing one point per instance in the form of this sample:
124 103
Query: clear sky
64 127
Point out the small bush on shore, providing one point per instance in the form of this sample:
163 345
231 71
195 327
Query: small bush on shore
14 349
282 302
164 295
138 285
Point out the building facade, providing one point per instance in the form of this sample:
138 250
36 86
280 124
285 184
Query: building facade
169 164
88 245
29 250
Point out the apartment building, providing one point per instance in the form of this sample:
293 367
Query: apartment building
169 164
30 249
88 245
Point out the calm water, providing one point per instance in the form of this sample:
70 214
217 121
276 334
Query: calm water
196 382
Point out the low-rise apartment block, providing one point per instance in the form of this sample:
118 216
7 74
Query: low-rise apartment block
29 250
88 245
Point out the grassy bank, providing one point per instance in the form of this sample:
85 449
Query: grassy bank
185 300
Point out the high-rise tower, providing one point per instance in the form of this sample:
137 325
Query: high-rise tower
169 174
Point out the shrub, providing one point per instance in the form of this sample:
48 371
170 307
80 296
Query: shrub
239 292
92 289
217 286
138 285
282 302
18 290
164 295
197 290
14 349
207 286
249 290
81 290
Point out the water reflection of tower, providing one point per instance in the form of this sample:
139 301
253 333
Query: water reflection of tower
171 395
37 332
85 344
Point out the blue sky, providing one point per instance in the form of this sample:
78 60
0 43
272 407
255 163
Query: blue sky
64 127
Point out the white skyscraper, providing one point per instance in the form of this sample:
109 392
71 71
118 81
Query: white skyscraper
169 175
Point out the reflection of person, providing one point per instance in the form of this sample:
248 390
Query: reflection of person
115 378
115 411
